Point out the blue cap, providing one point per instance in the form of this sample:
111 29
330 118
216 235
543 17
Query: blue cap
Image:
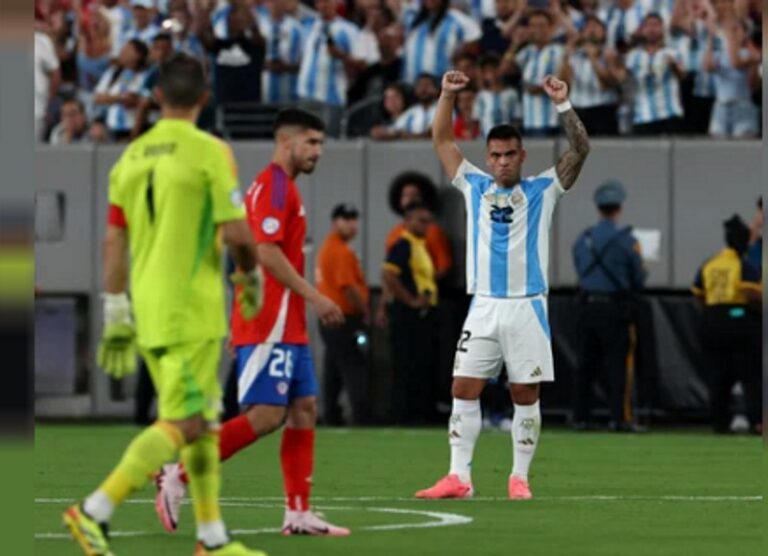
611 192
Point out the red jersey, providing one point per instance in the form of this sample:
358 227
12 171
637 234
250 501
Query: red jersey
276 215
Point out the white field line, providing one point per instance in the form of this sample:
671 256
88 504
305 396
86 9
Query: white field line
436 519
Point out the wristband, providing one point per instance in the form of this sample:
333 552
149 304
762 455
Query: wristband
563 106
117 308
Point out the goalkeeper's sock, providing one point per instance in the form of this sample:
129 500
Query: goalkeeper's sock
463 431
201 459
152 448
297 455
234 435
526 426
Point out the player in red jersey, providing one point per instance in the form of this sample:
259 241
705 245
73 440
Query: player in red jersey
276 376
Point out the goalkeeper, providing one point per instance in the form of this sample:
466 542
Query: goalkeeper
173 197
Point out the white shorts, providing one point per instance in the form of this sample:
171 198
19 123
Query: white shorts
514 332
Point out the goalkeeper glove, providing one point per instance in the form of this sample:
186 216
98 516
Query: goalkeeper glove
250 296
117 349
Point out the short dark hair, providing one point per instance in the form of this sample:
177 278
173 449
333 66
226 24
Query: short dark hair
429 76
297 118
736 234
182 81
413 207
490 59
422 182
538 12
609 210
141 49
595 19
163 37
76 101
653 15
504 132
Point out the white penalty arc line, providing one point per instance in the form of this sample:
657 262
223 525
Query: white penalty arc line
437 519
578 498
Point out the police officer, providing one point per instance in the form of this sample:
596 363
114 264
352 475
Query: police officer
611 272
731 290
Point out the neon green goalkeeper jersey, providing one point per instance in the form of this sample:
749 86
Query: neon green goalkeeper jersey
170 188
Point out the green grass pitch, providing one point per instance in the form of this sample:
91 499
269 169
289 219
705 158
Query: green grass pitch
595 494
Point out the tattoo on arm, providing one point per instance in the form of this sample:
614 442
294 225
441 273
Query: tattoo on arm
571 161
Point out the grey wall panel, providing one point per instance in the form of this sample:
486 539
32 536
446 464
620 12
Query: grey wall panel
64 185
251 159
643 167
383 162
713 180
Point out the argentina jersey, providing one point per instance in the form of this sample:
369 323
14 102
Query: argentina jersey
417 119
428 51
586 91
493 108
536 63
508 232
622 24
323 77
657 88
283 44
118 117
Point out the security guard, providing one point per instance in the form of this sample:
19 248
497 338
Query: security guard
611 272
731 290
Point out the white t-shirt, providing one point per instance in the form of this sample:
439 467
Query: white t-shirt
46 62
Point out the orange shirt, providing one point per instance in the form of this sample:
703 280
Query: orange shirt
438 246
337 268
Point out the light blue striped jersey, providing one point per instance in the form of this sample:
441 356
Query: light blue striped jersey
191 46
417 119
120 118
731 84
493 108
508 232
284 43
585 88
621 24
535 64
704 81
323 77
657 88
482 9
432 52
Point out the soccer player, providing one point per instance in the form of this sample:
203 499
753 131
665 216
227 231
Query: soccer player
508 220
276 375
172 194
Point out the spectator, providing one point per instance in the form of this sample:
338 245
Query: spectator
410 277
147 110
496 103
497 31
593 88
283 36
120 89
656 71
731 290
143 26
467 64
755 252
437 35
238 59
73 127
395 103
180 27
623 20
541 57
339 277
47 77
94 49
611 273
733 114
580 10
330 62
465 124
98 132
120 19
416 122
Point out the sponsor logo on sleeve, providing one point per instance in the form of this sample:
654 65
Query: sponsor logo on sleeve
270 225
236 198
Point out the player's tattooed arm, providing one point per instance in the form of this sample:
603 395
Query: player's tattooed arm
571 161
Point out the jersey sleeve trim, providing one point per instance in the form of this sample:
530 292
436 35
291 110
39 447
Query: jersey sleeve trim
116 217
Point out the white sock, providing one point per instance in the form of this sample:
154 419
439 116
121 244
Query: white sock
526 426
99 506
212 533
463 430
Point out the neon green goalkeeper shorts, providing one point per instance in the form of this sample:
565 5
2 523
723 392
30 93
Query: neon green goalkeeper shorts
186 379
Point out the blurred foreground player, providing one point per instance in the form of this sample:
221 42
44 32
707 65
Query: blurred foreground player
276 375
731 289
508 221
173 179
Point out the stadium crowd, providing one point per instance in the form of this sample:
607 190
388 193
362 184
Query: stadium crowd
640 67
